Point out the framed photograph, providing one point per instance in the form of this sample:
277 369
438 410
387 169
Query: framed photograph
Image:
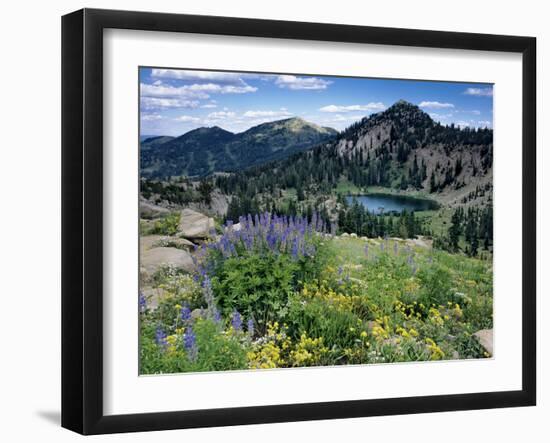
270 221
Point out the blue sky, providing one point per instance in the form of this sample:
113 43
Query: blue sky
175 101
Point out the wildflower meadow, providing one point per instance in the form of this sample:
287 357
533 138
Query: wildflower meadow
286 291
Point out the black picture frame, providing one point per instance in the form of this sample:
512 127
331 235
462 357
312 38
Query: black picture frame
82 218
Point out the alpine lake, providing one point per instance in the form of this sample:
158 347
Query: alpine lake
392 203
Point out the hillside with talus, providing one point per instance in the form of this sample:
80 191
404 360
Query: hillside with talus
404 148
401 149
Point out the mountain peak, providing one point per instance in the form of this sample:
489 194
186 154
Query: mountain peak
405 105
208 129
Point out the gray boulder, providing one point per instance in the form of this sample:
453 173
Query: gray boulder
485 338
194 224
149 210
154 259
147 242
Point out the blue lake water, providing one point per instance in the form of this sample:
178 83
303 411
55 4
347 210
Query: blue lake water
392 203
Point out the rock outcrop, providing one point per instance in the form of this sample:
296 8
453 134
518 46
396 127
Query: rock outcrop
195 225
155 258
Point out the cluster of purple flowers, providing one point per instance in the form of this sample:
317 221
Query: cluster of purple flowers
270 233
185 313
160 337
142 302
236 321
190 343
250 327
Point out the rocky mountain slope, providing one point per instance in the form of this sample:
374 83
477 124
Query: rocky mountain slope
404 148
401 148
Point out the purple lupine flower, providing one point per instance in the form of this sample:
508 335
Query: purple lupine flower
340 270
142 302
207 291
185 313
236 320
381 247
160 337
250 327
295 248
395 248
367 250
190 343
216 315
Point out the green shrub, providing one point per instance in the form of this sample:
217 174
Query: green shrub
167 225
257 286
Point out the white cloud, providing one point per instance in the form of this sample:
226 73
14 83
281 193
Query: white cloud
343 118
481 92
209 106
151 117
438 116
238 89
298 83
152 90
255 114
196 91
462 123
476 112
220 115
369 107
187 119
150 103
483 123
435 105
198 76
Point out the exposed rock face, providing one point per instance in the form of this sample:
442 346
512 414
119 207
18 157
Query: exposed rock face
180 242
147 242
485 337
148 210
153 296
195 225
151 260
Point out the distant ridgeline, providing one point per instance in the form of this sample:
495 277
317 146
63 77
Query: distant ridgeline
206 150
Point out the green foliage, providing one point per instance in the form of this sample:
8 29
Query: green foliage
167 225
436 285
256 285
218 352
215 351
396 303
